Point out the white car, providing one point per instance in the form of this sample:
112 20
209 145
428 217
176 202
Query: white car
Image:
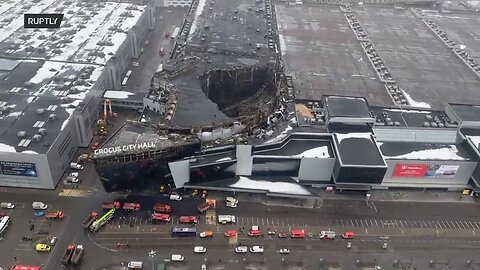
241 249
284 251
256 249
135 64
52 241
7 205
74 174
135 265
199 249
175 197
177 258
204 267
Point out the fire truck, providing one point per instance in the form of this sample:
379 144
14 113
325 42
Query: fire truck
55 215
161 217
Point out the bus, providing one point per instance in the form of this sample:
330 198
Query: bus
184 232
97 224
127 76
175 33
25 267
4 221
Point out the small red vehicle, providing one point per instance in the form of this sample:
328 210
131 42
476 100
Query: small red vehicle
188 219
162 208
254 231
162 51
230 233
111 205
161 217
348 235
298 234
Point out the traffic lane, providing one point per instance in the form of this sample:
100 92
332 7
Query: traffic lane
359 209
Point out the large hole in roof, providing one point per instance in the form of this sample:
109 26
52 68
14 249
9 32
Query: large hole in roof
239 92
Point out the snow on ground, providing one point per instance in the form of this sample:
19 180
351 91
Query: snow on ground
81 95
317 152
280 136
446 153
198 12
117 94
7 148
31 99
275 187
224 159
44 72
361 135
414 103
475 140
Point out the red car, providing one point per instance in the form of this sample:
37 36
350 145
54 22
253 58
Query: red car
188 219
348 235
2 214
161 217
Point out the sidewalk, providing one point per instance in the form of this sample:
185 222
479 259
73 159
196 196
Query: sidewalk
402 196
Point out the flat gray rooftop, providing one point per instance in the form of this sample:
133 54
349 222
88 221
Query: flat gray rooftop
467 112
410 117
338 106
463 28
420 63
323 55
228 26
46 73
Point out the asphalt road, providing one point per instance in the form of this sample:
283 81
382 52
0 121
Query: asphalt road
458 243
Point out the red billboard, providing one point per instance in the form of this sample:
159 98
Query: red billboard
410 170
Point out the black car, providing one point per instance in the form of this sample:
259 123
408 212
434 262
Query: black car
43 231
26 238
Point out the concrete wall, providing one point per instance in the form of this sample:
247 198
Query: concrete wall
316 169
458 182
62 151
424 135
43 180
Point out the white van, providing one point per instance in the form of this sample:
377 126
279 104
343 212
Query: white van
177 258
135 265
39 206
224 219
76 166
175 197
7 205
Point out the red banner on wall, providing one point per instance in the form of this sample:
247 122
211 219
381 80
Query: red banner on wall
410 170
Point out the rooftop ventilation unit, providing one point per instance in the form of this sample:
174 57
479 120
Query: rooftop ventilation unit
42 131
21 134
37 138
40 111
52 117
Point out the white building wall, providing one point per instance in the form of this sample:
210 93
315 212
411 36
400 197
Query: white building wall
459 181
42 181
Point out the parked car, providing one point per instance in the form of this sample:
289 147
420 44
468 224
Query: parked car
2 214
175 197
43 231
256 249
241 249
282 235
76 166
135 265
26 238
39 213
348 235
177 258
52 241
39 206
7 205
284 251
43 247
206 234
135 64
199 249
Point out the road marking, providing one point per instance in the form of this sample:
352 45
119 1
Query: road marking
356 221
371 222
401 223
471 225
258 222
476 224
376 224
283 222
461 223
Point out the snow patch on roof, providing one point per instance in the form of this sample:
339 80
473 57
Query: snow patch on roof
276 187
280 136
198 12
283 44
224 159
29 152
408 111
7 148
317 152
44 72
360 135
117 94
446 153
414 103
